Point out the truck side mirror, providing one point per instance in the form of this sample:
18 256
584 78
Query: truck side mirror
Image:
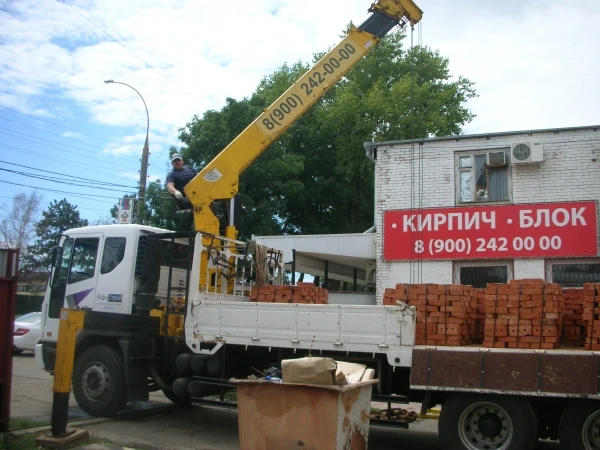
56 256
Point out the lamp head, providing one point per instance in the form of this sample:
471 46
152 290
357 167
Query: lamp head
109 81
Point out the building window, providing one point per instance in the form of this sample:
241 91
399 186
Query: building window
479 274
483 176
573 273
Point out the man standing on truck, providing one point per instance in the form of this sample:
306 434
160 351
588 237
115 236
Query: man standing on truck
178 178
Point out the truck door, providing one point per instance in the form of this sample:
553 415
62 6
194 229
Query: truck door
74 280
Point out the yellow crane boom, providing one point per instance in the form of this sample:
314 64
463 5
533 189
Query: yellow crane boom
219 179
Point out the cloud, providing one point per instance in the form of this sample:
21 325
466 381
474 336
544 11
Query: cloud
529 71
534 62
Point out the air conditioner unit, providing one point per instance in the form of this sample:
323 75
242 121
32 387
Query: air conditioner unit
497 159
527 152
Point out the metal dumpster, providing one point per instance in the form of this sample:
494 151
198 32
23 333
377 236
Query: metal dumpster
286 416
9 267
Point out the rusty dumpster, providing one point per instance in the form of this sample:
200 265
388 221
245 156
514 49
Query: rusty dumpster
9 266
286 416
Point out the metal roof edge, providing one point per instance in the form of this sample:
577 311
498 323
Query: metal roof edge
369 145
313 236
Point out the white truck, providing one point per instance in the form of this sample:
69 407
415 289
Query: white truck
131 309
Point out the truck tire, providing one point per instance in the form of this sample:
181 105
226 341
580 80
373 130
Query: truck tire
478 422
99 381
579 425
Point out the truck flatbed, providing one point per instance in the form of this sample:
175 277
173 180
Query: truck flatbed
221 318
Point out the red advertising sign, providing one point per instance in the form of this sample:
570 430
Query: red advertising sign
484 232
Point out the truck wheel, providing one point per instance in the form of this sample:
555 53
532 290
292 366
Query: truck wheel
477 422
99 381
579 427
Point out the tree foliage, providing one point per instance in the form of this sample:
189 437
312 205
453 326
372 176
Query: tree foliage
59 217
17 224
315 178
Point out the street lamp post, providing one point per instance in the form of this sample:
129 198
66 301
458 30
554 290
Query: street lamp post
145 155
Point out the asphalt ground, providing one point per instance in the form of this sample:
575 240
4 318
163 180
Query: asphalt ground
158 425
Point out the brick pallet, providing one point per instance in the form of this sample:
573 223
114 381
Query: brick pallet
523 314
573 330
306 293
443 311
591 315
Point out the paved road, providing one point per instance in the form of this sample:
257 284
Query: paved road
199 428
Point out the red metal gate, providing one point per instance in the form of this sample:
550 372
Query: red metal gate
9 264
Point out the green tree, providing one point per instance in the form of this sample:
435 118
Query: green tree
160 207
315 178
59 217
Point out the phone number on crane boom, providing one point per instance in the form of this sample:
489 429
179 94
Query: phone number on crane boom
289 106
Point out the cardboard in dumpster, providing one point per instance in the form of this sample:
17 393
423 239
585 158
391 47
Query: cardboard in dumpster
309 371
354 373
324 371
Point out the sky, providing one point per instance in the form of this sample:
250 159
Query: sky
535 64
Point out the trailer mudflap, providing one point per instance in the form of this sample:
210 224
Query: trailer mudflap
563 372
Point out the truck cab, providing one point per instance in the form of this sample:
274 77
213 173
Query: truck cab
106 269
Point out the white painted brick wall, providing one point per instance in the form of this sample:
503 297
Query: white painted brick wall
570 172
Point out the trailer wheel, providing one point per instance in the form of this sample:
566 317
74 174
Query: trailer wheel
579 427
476 422
99 381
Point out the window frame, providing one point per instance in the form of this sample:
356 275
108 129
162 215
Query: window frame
574 261
458 170
457 265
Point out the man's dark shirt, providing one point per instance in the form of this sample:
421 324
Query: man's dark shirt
180 178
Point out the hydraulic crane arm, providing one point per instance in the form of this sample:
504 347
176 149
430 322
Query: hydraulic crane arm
219 179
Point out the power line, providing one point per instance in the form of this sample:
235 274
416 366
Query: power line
122 45
85 196
55 124
64 137
49 203
54 180
46 145
71 176
114 39
55 134
64 161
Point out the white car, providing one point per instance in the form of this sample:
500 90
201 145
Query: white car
28 332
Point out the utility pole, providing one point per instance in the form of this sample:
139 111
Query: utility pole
145 154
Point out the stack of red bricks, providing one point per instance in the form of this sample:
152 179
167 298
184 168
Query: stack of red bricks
443 311
573 330
523 314
478 314
591 315
306 293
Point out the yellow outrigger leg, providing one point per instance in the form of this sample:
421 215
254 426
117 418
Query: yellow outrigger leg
71 321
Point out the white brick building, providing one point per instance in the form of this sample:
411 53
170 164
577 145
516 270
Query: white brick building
476 179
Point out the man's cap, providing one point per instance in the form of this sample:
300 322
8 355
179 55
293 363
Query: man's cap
175 156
